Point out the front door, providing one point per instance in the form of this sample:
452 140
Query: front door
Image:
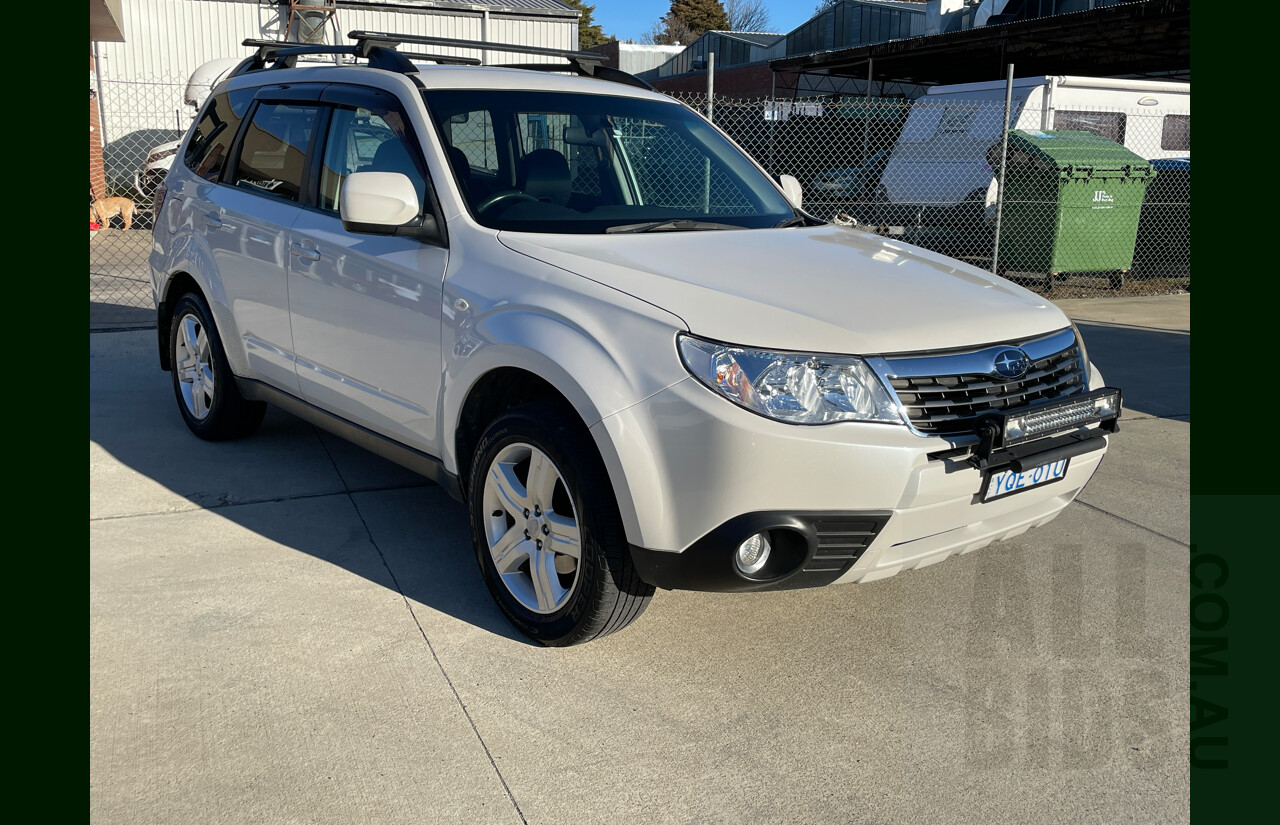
365 309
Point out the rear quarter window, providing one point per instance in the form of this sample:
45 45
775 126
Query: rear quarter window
206 154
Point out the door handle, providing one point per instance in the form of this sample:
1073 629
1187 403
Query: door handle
211 220
304 253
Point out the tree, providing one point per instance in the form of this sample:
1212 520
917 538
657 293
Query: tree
589 34
747 15
701 15
823 6
686 21
669 30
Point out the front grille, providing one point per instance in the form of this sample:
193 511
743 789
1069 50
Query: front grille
952 404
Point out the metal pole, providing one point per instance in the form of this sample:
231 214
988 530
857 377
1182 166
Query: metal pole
773 120
1004 154
102 93
866 115
711 86
484 35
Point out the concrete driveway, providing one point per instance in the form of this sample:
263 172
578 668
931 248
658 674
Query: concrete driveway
286 629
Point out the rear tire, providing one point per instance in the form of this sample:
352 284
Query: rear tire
546 529
205 387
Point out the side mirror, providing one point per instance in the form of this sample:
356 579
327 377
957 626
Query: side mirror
792 189
384 203
377 202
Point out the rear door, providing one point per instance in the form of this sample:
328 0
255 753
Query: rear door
246 224
365 309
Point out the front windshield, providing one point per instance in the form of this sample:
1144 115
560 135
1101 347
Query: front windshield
558 162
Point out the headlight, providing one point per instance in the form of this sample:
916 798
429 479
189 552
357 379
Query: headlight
161 155
790 386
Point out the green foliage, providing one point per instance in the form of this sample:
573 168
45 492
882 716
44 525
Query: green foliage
589 33
701 15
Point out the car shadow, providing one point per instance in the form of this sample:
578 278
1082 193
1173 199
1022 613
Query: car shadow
405 533
1152 367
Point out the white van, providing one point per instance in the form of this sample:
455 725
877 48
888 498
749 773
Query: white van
940 159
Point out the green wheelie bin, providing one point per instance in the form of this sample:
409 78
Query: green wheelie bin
1072 201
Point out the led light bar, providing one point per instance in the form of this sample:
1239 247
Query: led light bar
1099 406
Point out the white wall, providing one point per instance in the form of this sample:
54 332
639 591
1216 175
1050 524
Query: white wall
166 40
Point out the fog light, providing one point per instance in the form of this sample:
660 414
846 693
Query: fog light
753 553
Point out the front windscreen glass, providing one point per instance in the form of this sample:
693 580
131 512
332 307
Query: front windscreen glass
558 162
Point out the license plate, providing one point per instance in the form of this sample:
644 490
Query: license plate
1007 482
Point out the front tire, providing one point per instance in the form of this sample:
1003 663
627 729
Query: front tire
205 387
547 532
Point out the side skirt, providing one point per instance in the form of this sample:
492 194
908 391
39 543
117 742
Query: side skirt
419 462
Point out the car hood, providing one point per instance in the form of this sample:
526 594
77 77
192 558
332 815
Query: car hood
819 289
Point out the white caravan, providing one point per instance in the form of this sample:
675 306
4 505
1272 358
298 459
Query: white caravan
941 157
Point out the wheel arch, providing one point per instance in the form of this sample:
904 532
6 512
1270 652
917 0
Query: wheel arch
506 386
179 284
188 264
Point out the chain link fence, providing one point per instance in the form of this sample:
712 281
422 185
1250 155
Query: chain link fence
1093 202
140 125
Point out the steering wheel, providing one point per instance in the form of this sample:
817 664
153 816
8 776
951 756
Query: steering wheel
502 197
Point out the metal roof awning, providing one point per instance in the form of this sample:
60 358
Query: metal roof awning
105 21
1152 37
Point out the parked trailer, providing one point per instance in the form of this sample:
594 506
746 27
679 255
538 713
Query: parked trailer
939 175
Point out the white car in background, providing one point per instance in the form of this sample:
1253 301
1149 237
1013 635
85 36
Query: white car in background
160 159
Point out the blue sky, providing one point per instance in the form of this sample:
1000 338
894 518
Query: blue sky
632 18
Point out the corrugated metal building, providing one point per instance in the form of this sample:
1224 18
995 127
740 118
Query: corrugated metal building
166 40
843 24
140 82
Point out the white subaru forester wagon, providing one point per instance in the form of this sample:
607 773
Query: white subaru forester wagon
576 305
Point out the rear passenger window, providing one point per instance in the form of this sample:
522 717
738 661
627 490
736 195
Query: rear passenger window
206 154
1176 133
274 150
1109 125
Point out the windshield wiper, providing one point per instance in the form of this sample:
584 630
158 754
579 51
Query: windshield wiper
794 220
670 226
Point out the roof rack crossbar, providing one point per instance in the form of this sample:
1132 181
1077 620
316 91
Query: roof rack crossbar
388 38
285 55
379 48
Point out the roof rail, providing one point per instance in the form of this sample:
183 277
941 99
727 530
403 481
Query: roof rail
588 64
379 48
586 70
392 39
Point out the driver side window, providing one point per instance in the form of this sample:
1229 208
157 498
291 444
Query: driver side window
361 140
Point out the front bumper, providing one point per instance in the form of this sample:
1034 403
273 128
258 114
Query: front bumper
689 467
